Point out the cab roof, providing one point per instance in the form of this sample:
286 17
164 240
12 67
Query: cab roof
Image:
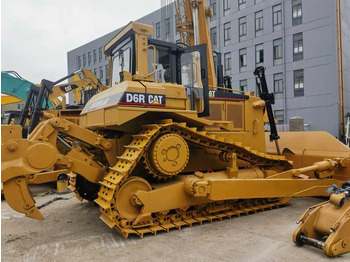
132 27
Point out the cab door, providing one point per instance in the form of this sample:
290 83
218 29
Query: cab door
193 74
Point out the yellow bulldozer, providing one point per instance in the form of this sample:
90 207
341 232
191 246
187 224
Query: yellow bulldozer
166 147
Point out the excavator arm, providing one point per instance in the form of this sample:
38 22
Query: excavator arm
24 158
88 83
39 99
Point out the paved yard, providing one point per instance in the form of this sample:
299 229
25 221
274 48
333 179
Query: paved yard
73 231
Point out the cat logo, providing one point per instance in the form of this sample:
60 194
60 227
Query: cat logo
155 99
67 88
212 93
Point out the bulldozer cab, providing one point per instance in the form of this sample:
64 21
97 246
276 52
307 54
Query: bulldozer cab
134 56
121 57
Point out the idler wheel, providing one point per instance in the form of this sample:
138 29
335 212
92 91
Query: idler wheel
127 204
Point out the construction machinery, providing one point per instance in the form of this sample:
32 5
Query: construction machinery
14 88
45 101
83 85
49 100
164 147
327 225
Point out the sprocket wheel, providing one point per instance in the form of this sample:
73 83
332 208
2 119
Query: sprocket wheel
167 156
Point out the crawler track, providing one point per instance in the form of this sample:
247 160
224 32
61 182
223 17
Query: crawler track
189 218
136 150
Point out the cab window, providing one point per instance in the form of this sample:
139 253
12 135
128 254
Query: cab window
121 60
190 69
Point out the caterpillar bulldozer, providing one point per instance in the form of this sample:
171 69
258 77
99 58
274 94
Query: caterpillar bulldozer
165 146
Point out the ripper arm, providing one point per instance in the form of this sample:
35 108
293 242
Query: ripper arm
21 158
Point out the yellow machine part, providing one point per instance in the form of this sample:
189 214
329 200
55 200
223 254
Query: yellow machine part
9 100
21 199
326 226
168 156
306 148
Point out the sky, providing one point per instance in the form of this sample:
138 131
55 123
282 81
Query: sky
37 34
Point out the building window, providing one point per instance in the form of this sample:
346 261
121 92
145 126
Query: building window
227 61
241 4
167 28
213 7
277 17
95 56
297 12
299 82
259 54
100 54
213 36
95 71
279 116
106 70
278 83
243 85
176 22
89 58
298 47
84 60
259 23
157 30
277 51
242 28
227 35
101 72
242 59
226 4
79 62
